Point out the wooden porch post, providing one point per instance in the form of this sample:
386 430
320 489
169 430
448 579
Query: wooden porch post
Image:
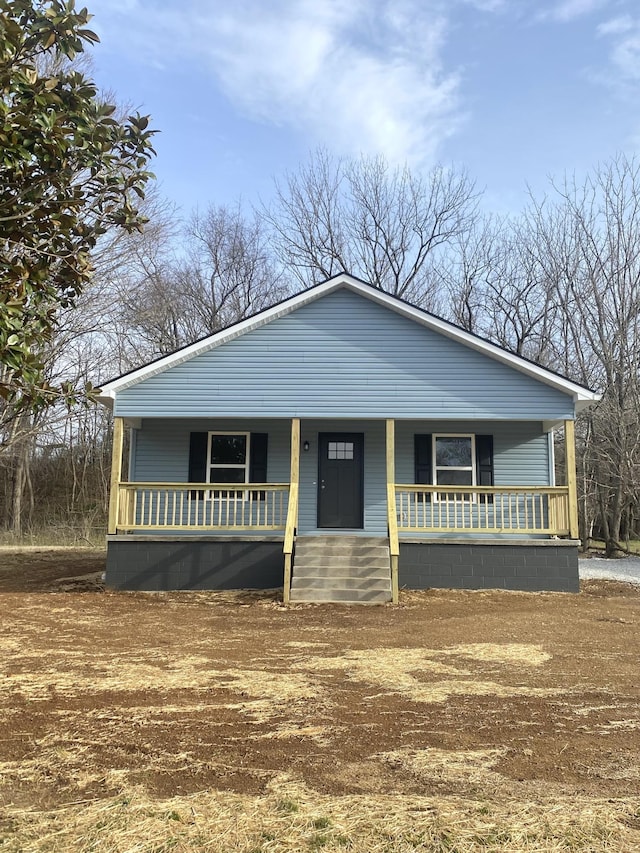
295 452
570 461
292 512
394 545
116 473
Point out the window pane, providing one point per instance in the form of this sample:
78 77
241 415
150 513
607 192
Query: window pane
454 478
340 450
226 475
453 451
228 450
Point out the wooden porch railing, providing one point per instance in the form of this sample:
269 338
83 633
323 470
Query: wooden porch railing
202 506
482 509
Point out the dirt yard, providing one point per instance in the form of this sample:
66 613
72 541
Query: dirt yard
458 721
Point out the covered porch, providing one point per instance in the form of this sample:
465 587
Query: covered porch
401 512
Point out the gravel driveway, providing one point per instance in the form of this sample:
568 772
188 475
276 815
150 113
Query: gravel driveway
625 569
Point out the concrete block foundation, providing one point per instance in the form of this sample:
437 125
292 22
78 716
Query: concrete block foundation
550 565
164 563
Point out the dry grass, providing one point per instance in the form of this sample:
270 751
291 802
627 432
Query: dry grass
56 537
201 722
392 672
500 653
291 817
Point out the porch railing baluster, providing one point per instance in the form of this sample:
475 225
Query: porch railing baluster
483 509
202 506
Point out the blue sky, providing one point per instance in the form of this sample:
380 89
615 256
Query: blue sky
513 90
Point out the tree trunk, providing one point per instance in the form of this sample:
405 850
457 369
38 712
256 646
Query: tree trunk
19 475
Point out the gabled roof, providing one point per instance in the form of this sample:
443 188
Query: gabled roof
581 396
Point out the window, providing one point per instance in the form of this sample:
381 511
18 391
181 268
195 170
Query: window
228 461
340 450
454 463
453 456
454 459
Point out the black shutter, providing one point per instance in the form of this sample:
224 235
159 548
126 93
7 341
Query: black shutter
484 460
198 444
422 460
258 461
484 463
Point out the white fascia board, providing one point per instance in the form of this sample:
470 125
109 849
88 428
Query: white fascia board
582 397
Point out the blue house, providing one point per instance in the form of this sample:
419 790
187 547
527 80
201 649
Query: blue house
342 444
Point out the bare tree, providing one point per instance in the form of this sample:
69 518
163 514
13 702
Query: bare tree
229 273
589 247
382 223
175 292
469 268
28 438
561 285
87 345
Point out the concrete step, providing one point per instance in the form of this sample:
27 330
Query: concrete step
332 539
371 551
341 596
333 571
342 560
347 569
339 546
301 583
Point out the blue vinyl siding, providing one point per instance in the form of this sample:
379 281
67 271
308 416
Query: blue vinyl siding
348 357
162 455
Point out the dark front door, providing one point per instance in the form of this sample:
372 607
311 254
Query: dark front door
340 479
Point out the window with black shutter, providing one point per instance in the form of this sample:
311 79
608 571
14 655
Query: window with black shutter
227 457
454 460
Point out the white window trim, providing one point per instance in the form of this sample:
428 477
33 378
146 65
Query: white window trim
239 494
552 457
435 467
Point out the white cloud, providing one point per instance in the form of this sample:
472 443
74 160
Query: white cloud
487 5
616 26
354 74
625 52
568 10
